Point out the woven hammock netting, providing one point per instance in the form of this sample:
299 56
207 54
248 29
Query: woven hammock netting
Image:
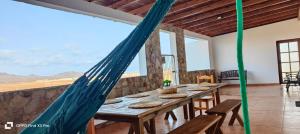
71 111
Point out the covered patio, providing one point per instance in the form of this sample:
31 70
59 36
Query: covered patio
199 62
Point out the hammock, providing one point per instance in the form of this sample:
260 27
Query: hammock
71 111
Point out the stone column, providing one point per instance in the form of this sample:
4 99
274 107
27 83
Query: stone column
181 57
154 61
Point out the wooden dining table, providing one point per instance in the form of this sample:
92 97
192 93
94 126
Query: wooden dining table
120 112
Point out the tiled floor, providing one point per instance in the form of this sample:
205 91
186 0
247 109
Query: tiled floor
272 111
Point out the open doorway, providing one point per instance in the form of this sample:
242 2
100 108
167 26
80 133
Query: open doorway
288 58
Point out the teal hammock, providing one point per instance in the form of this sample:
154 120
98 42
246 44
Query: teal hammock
71 111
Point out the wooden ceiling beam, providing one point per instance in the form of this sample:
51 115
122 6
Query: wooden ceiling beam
253 20
176 8
199 10
248 12
255 25
272 18
186 5
141 10
215 13
248 15
120 3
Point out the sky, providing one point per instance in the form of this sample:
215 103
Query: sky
37 40
43 41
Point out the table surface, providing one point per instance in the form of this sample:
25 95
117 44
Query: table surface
121 108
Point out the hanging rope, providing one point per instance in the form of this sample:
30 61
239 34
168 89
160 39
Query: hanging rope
243 89
71 111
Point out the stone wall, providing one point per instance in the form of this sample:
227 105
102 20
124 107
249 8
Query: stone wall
23 106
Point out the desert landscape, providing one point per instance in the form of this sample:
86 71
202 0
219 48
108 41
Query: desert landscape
12 82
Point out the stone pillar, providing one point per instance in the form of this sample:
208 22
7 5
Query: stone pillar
183 78
154 61
181 58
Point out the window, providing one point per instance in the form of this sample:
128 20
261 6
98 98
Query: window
38 43
197 54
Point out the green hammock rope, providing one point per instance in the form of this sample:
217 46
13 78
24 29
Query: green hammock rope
243 89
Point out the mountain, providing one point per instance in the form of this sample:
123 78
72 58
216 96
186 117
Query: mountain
12 78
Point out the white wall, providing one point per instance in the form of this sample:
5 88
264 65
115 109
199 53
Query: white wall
260 56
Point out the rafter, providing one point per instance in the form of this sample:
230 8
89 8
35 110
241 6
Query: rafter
120 3
248 15
255 25
200 16
248 11
187 5
199 10
141 10
259 21
215 13
253 20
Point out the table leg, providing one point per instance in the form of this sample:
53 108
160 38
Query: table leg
185 112
138 127
218 100
130 129
191 109
152 126
147 126
173 115
167 116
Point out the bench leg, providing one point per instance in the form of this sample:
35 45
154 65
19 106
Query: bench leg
213 129
218 126
235 115
240 120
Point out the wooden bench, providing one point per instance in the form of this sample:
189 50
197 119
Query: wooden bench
225 107
230 75
199 124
